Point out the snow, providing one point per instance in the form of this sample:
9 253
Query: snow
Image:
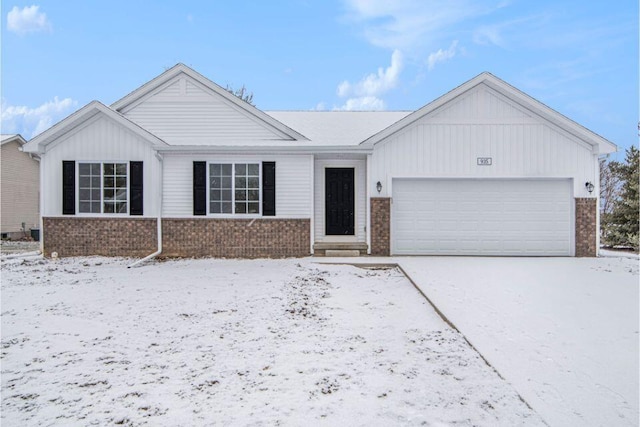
86 341
563 331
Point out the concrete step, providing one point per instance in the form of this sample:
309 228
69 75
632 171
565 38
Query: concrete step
339 248
341 252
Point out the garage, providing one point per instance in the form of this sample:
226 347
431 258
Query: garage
505 217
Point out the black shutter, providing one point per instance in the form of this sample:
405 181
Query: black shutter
136 199
268 188
199 188
68 187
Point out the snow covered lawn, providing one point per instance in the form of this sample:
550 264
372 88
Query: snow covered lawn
563 331
86 341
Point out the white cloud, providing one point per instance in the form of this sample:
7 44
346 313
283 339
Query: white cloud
30 122
364 103
366 92
343 89
320 106
27 20
488 34
410 24
442 55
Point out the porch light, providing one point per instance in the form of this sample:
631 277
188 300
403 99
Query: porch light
589 186
379 186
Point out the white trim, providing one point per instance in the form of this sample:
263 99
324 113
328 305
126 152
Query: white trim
233 214
176 70
368 202
102 214
78 118
525 101
572 241
312 219
340 164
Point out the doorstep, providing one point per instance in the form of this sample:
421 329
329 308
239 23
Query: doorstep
338 249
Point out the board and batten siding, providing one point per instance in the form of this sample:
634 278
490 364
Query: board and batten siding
182 112
293 182
19 178
483 123
98 139
359 178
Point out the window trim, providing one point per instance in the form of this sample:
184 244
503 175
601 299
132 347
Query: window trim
233 164
101 214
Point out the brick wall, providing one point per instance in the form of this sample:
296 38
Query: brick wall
586 227
236 238
73 236
380 226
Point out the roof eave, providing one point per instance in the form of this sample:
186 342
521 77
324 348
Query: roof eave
181 68
196 149
599 143
38 144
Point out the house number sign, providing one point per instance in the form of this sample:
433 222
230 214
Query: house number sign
484 161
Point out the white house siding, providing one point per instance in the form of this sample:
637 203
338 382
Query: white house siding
360 199
293 183
182 112
98 139
482 123
20 189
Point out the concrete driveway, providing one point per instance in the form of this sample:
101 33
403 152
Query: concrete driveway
562 331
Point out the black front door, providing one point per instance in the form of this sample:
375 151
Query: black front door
339 201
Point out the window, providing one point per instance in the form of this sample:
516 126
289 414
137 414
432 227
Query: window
102 188
234 188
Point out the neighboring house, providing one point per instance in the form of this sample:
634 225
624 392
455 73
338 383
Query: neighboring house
482 170
19 192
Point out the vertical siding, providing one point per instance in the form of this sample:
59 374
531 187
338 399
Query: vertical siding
293 182
99 139
183 112
20 181
483 123
360 202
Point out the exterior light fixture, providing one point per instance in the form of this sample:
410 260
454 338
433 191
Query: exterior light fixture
379 186
589 186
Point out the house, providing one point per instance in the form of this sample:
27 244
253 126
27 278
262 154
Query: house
182 166
19 189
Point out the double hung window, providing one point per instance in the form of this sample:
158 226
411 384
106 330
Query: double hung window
102 188
234 188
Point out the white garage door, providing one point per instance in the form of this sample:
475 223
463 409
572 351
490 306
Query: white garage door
481 217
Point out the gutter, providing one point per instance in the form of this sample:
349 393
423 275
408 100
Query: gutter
159 220
267 149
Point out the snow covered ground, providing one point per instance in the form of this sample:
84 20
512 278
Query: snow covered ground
563 331
86 341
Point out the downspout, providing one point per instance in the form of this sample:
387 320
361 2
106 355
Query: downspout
159 220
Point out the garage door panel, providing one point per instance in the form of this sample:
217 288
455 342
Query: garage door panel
482 217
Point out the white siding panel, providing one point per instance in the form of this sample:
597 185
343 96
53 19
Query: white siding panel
98 139
482 123
360 200
293 183
183 113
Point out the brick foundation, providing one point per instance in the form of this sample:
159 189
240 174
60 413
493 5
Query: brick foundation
381 226
236 238
75 236
586 227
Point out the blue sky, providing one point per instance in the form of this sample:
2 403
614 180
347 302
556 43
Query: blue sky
578 57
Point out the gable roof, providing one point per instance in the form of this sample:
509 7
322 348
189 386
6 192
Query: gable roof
6 138
512 93
180 68
338 128
37 144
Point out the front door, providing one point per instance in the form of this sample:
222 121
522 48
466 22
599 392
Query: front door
339 202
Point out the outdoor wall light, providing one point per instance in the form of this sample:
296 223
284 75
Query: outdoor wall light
379 186
589 186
